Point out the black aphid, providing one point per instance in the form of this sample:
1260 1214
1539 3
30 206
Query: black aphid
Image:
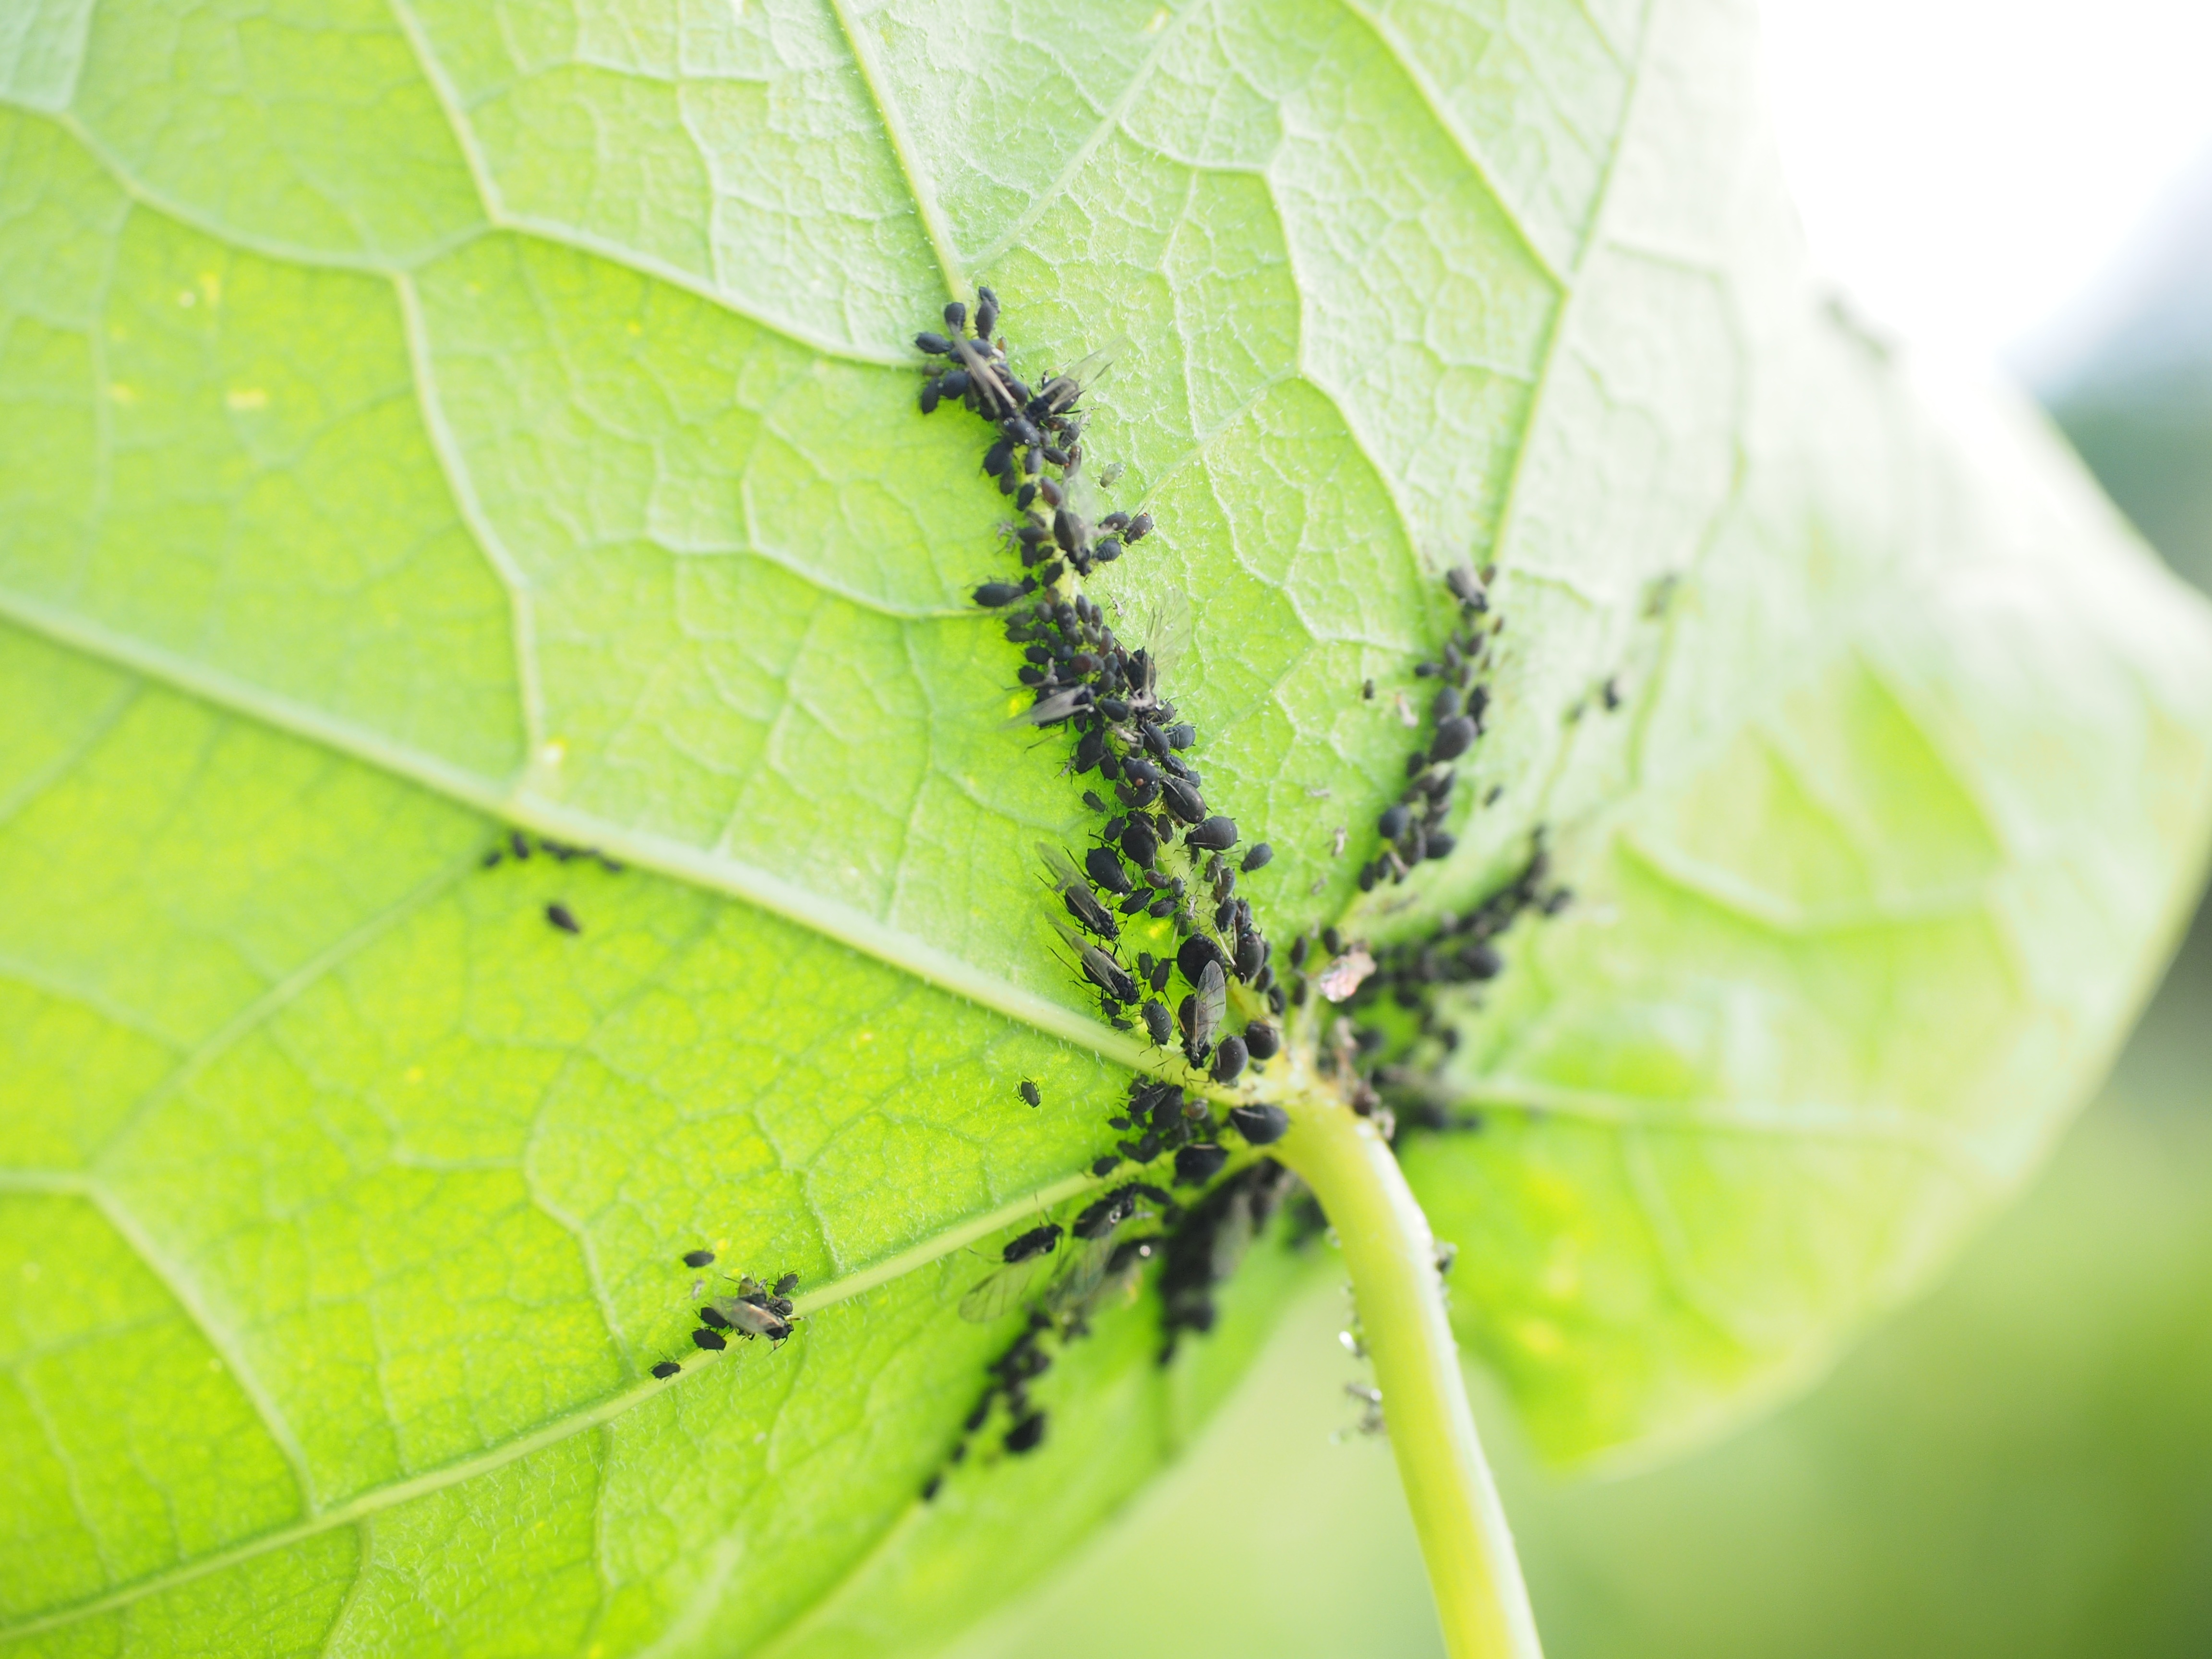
1029 1093
1038 1240
1215 835
786 1284
1196 1165
1075 893
1103 868
1261 1126
1194 953
710 1315
1027 1435
1263 1041
1160 1024
698 1258
667 1369
993 595
1228 1060
1257 857
710 1339
1204 1011
1183 800
754 1319
1454 737
562 917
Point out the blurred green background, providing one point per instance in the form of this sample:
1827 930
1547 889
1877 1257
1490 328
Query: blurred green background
2019 1465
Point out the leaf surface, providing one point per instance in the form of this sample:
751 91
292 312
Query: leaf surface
420 419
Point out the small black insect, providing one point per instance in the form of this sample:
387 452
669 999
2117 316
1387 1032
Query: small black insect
1027 1435
1228 1060
1160 1024
1215 835
1392 824
1202 1012
1108 974
698 1258
1106 1165
1257 857
1197 1164
713 1340
561 917
1029 1091
1196 952
753 1319
1103 868
1261 1126
1454 736
1183 800
993 595
786 1284
667 1369
987 314
710 1315
935 344
1038 1240
1263 1041
930 1488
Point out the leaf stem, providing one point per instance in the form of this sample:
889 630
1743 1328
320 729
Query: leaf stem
1387 1246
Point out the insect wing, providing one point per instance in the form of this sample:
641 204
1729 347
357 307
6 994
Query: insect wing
1092 1278
1163 628
1087 371
1002 1290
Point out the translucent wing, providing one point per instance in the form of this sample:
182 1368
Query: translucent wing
1003 1290
1084 1268
1164 628
1062 390
1112 1281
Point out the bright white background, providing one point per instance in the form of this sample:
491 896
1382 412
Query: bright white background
1979 174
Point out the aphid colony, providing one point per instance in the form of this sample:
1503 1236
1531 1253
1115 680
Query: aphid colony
518 846
1098 1266
757 1309
1368 1059
1207 1248
1159 1119
1069 1275
1413 828
1161 853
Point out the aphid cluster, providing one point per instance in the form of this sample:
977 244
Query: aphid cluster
1368 1058
1412 827
1159 1119
1160 853
518 846
1211 1243
757 1309
1098 1265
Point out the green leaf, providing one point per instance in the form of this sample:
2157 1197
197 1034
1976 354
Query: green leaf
417 419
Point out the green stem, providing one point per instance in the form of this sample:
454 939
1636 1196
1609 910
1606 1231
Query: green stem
1386 1245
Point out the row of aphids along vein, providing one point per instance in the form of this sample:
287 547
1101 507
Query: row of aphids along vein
1160 853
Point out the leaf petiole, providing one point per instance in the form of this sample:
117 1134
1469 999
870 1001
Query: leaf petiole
1465 1540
